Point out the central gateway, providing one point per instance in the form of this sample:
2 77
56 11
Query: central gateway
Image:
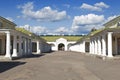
61 47
61 44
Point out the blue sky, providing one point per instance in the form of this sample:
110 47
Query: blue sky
59 16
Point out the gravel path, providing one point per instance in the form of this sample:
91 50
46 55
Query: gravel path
60 66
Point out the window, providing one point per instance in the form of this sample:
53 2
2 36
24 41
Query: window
0 24
118 24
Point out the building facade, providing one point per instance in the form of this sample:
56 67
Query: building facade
103 42
107 41
18 42
81 46
13 43
40 46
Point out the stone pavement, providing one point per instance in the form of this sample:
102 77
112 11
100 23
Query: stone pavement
60 66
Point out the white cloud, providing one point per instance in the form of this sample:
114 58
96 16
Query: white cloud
96 7
44 30
66 5
35 29
102 5
81 25
44 14
88 19
90 7
111 17
62 30
85 23
10 19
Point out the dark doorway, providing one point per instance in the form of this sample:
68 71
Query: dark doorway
61 47
0 46
118 46
87 45
34 47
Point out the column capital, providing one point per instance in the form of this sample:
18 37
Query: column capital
109 32
7 32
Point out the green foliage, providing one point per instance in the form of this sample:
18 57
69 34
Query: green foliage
24 31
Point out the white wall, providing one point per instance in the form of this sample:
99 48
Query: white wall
78 47
59 41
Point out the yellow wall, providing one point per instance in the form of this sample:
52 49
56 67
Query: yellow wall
6 24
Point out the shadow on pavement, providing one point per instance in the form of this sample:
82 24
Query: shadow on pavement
32 55
6 65
28 56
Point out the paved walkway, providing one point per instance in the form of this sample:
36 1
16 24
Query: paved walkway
60 66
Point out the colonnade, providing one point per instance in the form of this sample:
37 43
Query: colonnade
102 45
23 49
41 46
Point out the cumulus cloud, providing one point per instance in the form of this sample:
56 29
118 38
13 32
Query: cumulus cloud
88 19
111 17
90 7
10 19
66 5
85 23
35 29
40 30
63 30
44 14
102 5
96 7
81 25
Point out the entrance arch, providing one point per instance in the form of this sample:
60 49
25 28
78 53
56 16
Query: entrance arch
61 47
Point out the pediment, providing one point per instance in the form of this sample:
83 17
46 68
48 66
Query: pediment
61 39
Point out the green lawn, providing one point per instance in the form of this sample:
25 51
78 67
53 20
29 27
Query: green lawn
53 38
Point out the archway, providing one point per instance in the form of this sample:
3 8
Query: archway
61 47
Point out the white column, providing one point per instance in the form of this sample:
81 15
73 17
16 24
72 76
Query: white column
8 54
93 48
90 47
99 45
65 47
15 46
110 44
38 48
96 46
83 44
104 45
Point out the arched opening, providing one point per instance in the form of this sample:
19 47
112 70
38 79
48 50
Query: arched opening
34 47
87 45
69 45
52 45
61 47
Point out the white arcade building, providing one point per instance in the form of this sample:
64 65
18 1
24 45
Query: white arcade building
61 44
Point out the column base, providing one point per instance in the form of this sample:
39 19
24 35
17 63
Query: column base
14 55
8 56
109 56
104 55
